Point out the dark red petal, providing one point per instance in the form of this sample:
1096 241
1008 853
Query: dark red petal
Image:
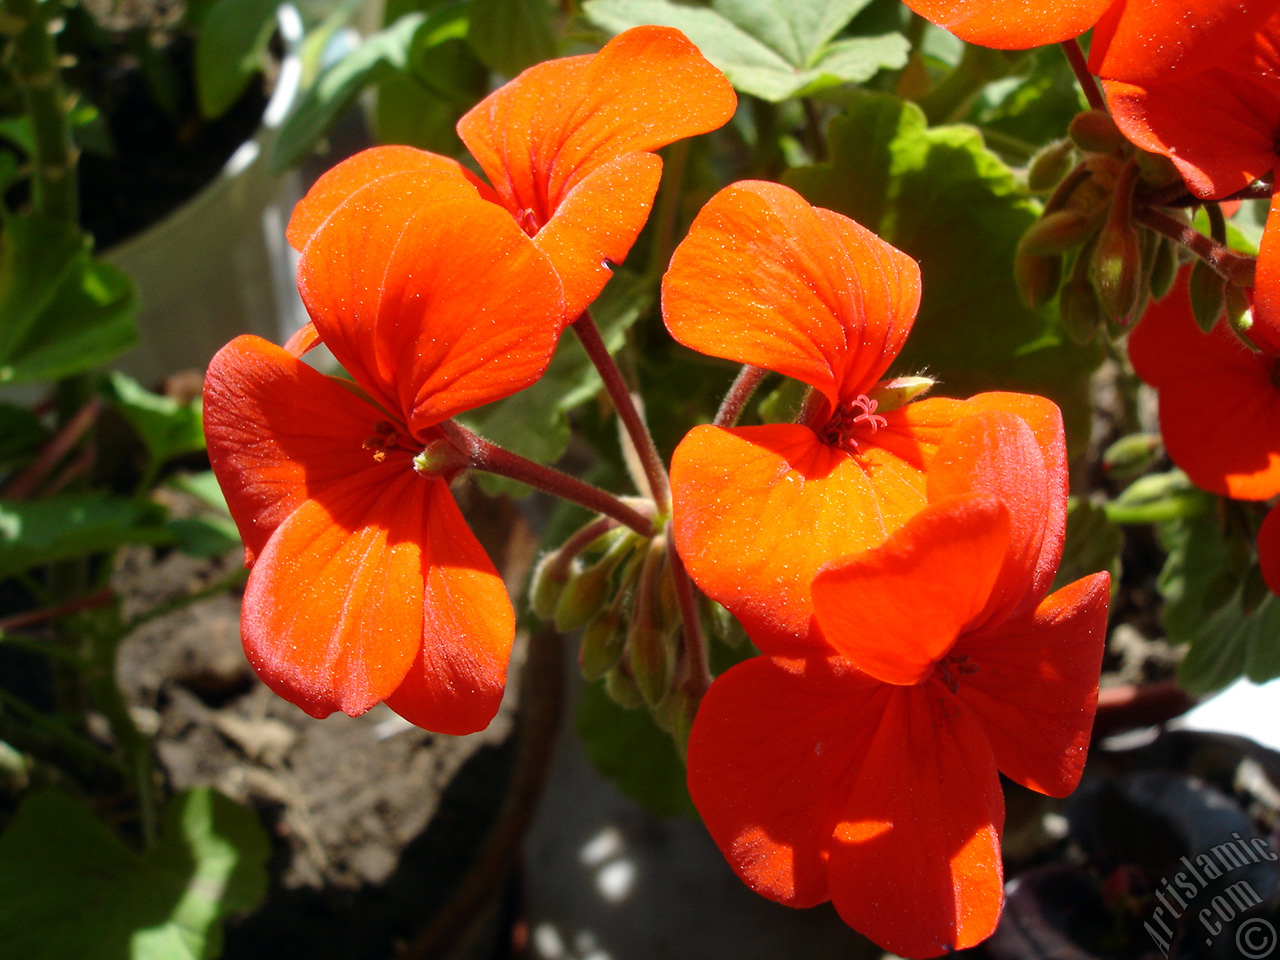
456 682
1219 405
772 748
278 434
1036 685
766 279
332 613
434 304
895 610
916 865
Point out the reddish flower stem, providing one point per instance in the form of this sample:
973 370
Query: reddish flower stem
641 439
569 550
59 445
743 386
30 618
1177 195
695 645
483 455
1233 267
1080 67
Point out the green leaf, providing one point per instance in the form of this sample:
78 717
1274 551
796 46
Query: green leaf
204 487
207 536
61 311
1232 643
774 49
533 422
70 890
21 434
230 50
631 750
338 86
941 196
168 427
1159 497
510 35
35 532
1194 581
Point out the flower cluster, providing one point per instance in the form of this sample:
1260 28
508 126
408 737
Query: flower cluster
892 557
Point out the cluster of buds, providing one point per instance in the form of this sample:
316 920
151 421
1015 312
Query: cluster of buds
617 587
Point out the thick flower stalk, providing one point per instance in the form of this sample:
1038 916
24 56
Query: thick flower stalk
866 772
568 147
366 584
765 279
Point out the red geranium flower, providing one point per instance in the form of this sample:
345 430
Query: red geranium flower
1220 126
366 583
1131 40
1219 400
764 278
868 775
568 146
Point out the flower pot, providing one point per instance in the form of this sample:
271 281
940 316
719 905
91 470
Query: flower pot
219 266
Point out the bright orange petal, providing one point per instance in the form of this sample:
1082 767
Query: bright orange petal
1219 405
1145 40
1011 24
995 452
1269 549
894 611
581 242
764 278
434 304
916 866
332 613
547 130
455 684
1036 685
1217 126
770 747
278 434
758 510
337 185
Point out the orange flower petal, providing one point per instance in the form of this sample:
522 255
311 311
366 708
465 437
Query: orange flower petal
1011 24
995 452
1219 405
1147 40
582 242
771 744
337 185
916 866
757 510
1217 126
455 684
543 133
434 304
1269 549
1036 685
894 611
1266 292
764 278
333 610
278 434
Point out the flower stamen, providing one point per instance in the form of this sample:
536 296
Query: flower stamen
849 416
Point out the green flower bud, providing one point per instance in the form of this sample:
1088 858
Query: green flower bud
1117 271
584 596
1156 169
1164 267
1131 456
1050 164
1208 295
546 585
621 687
899 391
1057 232
1095 132
603 641
1037 278
1079 313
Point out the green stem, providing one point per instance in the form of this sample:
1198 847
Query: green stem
483 455
654 470
74 744
231 581
1080 67
33 63
813 124
951 97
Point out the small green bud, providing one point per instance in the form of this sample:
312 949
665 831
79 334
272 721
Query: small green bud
650 651
675 715
1050 164
1037 278
1131 456
1240 314
603 641
1156 169
899 391
545 586
1079 313
1057 232
621 687
1117 271
584 596
1095 132
1208 295
1164 268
